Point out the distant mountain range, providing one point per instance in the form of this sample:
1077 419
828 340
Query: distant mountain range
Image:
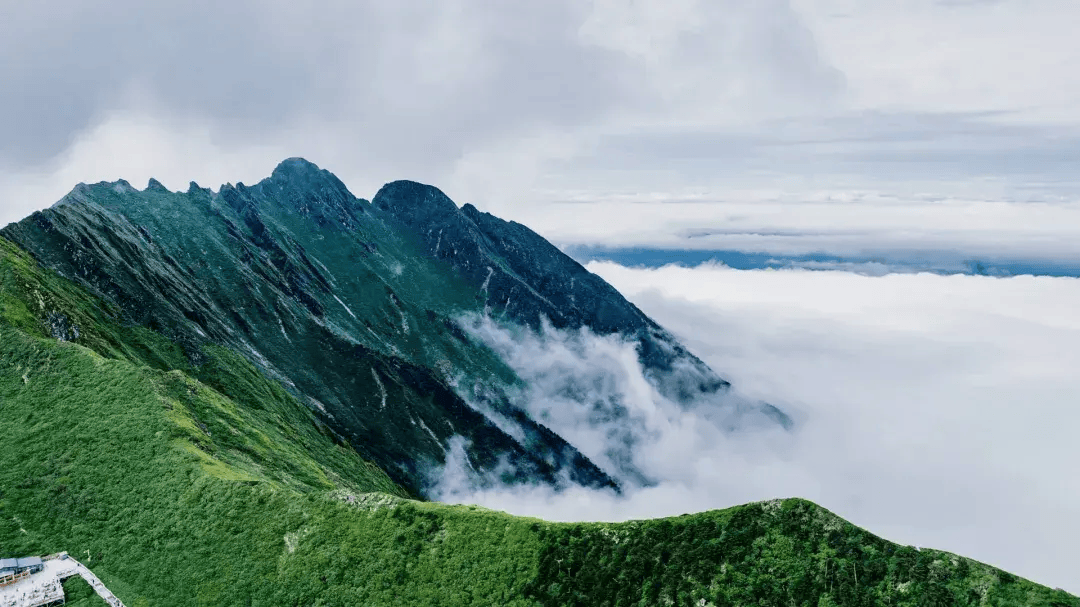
238 396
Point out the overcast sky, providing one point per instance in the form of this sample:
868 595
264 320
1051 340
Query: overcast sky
513 105
782 126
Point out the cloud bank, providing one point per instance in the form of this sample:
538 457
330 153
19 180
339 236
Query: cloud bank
1001 225
935 410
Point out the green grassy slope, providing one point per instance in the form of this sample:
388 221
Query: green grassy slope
783 552
95 460
232 412
212 486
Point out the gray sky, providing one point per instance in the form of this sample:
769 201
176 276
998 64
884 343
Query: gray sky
503 103
783 126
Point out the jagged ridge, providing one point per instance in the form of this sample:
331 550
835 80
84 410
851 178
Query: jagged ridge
352 306
296 275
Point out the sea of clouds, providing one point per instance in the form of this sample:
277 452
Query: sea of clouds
933 410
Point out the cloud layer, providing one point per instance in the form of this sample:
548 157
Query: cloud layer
935 410
853 223
593 391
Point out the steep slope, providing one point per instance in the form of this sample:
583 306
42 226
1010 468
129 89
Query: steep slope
210 485
355 307
297 276
525 278
229 415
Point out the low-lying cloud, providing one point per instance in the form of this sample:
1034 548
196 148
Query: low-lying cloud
593 391
934 410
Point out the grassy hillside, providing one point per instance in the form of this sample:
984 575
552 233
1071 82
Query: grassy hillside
213 486
230 412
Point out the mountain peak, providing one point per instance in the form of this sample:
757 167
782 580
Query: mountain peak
156 186
410 201
299 175
292 168
309 189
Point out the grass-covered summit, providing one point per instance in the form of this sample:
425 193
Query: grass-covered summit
195 477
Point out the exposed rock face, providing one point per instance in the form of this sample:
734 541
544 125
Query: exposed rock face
61 328
525 278
352 306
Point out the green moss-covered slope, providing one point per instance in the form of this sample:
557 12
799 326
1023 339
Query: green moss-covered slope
209 485
231 410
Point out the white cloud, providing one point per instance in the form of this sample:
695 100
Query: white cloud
592 391
936 411
1014 56
136 147
841 222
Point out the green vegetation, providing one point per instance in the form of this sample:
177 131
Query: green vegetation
95 460
78 593
226 410
211 485
303 280
184 494
783 552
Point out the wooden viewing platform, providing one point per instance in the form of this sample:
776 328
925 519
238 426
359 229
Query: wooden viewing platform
44 588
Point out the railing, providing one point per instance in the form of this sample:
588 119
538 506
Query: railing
81 570
14 578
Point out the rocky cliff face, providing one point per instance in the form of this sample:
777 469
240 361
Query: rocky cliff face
353 307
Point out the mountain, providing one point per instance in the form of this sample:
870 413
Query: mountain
526 279
354 307
234 398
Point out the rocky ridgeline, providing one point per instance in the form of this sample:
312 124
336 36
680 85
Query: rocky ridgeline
353 306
